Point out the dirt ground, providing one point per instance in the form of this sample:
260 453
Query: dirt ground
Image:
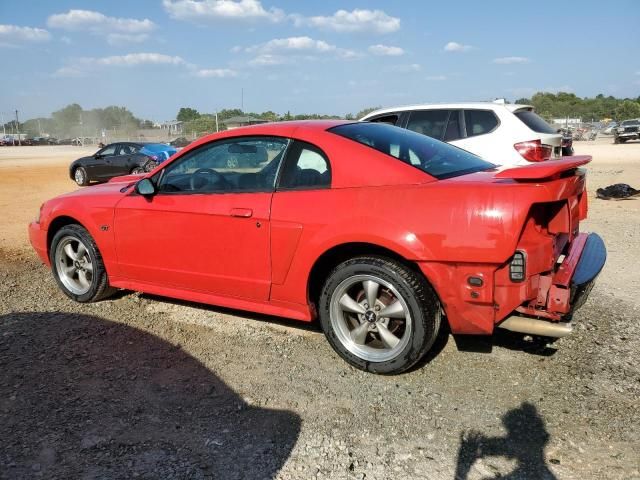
145 387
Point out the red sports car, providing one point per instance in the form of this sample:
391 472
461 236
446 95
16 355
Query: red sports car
381 233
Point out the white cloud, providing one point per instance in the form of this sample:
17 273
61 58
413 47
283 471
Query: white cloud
202 11
69 72
96 22
284 50
457 47
358 20
215 73
293 44
13 34
406 68
386 50
122 39
81 67
135 59
268 60
511 60
436 78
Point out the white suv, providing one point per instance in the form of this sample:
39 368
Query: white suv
503 134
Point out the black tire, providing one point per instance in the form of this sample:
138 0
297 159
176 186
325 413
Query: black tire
420 298
81 177
99 285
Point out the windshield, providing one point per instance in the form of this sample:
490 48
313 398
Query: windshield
534 121
438 159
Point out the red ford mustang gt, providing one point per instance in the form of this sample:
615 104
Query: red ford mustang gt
380 232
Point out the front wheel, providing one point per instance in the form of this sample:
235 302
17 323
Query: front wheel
81 177
77 265
379 315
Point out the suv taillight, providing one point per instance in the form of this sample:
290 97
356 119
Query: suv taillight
534 150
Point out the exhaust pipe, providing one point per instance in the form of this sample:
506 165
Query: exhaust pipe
532 326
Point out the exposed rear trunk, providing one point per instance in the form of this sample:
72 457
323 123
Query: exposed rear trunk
549 275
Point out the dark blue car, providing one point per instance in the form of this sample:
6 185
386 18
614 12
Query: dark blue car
118 159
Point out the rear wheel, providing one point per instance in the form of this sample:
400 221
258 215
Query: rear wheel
378 314
77 265
81 177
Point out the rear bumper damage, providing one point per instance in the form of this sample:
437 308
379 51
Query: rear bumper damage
561 294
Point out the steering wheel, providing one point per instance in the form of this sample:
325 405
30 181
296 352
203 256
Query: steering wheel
210 177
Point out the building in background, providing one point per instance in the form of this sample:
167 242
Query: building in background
242 121
174 127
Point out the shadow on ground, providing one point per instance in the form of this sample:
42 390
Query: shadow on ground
524 443
83 397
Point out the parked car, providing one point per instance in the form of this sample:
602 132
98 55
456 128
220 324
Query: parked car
610 128
382 233
505 134
567 142
627 130
180 142
158 152
118 159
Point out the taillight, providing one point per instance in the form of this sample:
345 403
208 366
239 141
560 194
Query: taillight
517 267
534 150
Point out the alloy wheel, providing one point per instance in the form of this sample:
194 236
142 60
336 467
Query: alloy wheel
370 318
74 265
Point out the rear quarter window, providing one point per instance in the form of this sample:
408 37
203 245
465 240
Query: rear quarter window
534 121
479 122
431 123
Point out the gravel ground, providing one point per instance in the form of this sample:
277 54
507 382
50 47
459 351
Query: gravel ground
143 387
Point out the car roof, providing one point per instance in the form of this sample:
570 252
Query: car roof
512 107
278 128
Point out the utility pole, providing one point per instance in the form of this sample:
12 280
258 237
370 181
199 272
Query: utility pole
217 130
242 99
18 129
4 131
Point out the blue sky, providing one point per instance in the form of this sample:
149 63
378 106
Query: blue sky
155 56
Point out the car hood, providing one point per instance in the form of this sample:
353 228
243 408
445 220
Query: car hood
115 189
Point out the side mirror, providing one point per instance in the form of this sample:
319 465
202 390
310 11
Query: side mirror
146 187
97 155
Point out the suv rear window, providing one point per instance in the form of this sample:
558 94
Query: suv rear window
438 159
534 121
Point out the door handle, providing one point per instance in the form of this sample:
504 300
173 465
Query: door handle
241 212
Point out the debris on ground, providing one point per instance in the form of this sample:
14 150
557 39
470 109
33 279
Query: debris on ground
617 191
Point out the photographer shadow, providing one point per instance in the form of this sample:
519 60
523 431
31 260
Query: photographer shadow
524 442
83 397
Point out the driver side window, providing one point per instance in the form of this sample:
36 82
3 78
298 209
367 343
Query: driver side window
108 151
246 164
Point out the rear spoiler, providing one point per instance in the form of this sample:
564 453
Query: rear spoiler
546 169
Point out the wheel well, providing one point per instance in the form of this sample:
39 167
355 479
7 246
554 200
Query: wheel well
56 225
338 254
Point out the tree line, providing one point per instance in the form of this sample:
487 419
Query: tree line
598 108
74 121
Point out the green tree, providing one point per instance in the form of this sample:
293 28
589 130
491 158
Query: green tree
628 109
67 118
187 114
366 111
